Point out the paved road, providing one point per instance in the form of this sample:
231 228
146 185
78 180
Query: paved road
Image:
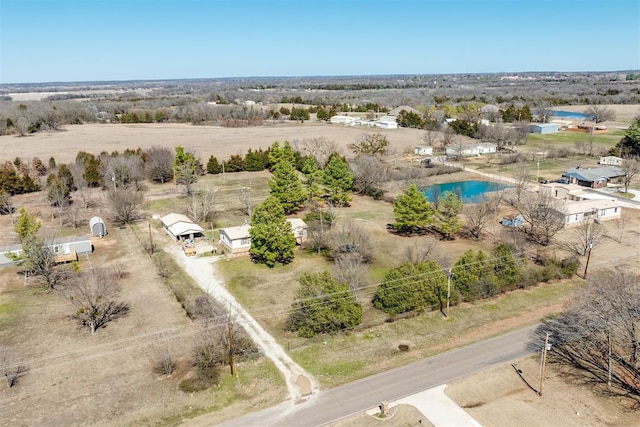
367 393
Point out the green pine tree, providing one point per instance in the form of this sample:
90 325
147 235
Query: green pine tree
312 177
338 179
213 166
412 287
412 211
272 240
322 305
449 208
285 186
278 153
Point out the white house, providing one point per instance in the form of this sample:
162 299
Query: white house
299 229
423 150
343 120
472 150
180 227
65 249
388 122
564 191
236 239
610 161
576 212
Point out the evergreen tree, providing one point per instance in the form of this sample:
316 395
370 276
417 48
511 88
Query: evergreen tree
412 211
234 164
312 177
26 226
272 240
449 207
473 275
213 167
505 267
66 177
286 187
338 179
629 145
256 160
186 168
411 287
322 305
278 153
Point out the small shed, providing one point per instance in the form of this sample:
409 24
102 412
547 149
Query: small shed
98 227
610 161
299 229
423 150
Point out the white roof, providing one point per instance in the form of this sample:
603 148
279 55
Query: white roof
182 228
238 232
173 218
95 220
572 208
297 223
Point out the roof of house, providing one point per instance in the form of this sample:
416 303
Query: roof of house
237 232
182 228
545 125
611 157
406 108
572 208
173 218
297 223
595 174
95 220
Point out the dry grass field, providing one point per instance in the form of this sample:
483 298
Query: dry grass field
205 140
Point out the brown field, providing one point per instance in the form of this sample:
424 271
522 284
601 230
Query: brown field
205 140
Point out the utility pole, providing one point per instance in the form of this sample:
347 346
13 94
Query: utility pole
230 338
449 274
588 257
543 362
150 241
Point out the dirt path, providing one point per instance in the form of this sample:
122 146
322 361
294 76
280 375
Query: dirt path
300 384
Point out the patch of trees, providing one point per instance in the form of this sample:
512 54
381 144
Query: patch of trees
414 213
629 145
598 334
323 305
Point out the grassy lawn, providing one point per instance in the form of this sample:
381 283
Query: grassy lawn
552 140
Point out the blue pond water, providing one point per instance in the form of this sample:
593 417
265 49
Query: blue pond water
569 114
470 191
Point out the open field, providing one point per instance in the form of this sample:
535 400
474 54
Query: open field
205 140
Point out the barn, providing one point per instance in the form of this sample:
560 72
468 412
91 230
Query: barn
98 227
544 128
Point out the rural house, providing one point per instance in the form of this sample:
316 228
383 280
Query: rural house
594 178
597 209
236 239
65 249
180 227
543 128
471 150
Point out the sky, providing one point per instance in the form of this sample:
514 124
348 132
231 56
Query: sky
104 40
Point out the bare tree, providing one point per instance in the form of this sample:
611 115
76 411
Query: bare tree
448 138
631 169
158 164
621 225
351 237
430 137
38 258
201 207
478 216
599 334
600 113
6 203
125 204
349 268
246 200
83 192
320 148
123 171
371 144
369 174
421 250
94 295
585 235
165 364
544 112
521 181
543 215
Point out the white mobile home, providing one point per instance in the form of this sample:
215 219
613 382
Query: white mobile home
596 209
422 150
236 239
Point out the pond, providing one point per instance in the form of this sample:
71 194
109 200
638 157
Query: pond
471 191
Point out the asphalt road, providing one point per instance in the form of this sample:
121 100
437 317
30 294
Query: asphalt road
358 396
